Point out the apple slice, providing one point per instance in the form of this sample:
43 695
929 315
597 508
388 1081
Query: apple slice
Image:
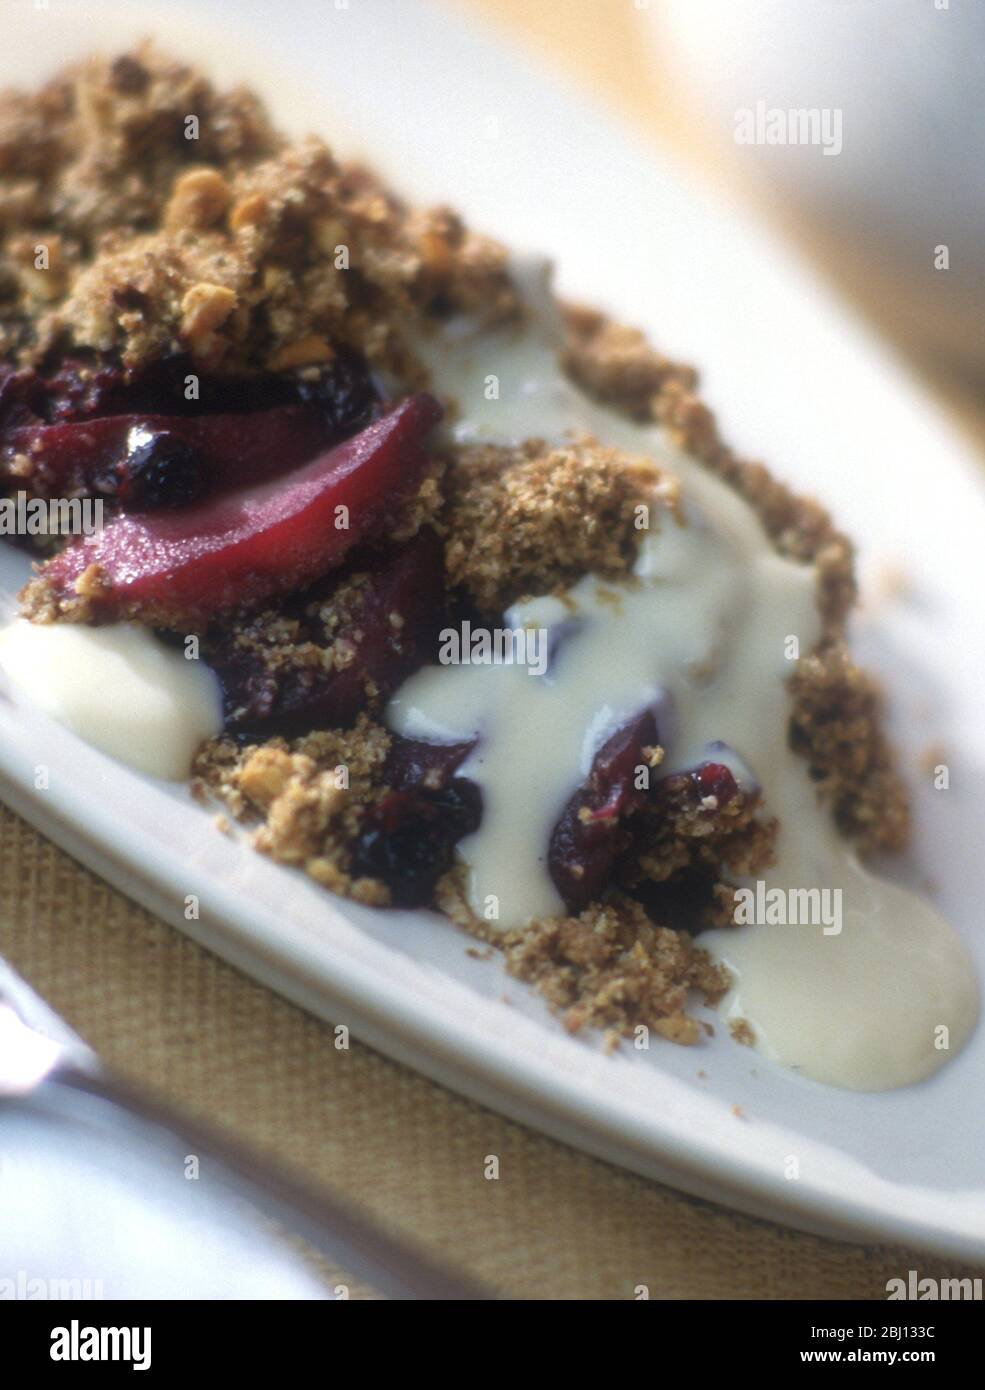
183 568
92 456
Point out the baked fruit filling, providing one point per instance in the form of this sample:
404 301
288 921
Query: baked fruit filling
332 433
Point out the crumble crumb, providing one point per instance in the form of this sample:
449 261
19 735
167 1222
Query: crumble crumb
611 967
41 602
198 199
679 1028
742 1031
307 797
560 513
92 583
616 364
836 724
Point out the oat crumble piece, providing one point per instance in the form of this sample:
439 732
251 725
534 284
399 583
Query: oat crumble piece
616 364
612 967
836 725
742 1031
560 514
292 791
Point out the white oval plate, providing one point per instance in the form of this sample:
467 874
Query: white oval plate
452 116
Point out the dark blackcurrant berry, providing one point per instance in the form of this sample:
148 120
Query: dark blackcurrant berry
409 839
160 471
344 390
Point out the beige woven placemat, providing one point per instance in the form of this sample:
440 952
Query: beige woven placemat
556 1224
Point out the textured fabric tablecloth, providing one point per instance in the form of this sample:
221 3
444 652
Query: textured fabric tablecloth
556 1224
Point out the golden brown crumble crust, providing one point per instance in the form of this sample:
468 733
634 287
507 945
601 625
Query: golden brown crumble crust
250 254
308 795
613 968
560 514
231 245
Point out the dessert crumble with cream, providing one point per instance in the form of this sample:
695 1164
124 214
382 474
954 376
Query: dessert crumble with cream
330 430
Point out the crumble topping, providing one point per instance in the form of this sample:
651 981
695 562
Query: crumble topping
742 1031
231 245
618 368
628 961
836 724
682 836
613 968
616 364
308 796
560 513
251 255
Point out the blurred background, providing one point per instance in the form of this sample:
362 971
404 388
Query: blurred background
908 78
